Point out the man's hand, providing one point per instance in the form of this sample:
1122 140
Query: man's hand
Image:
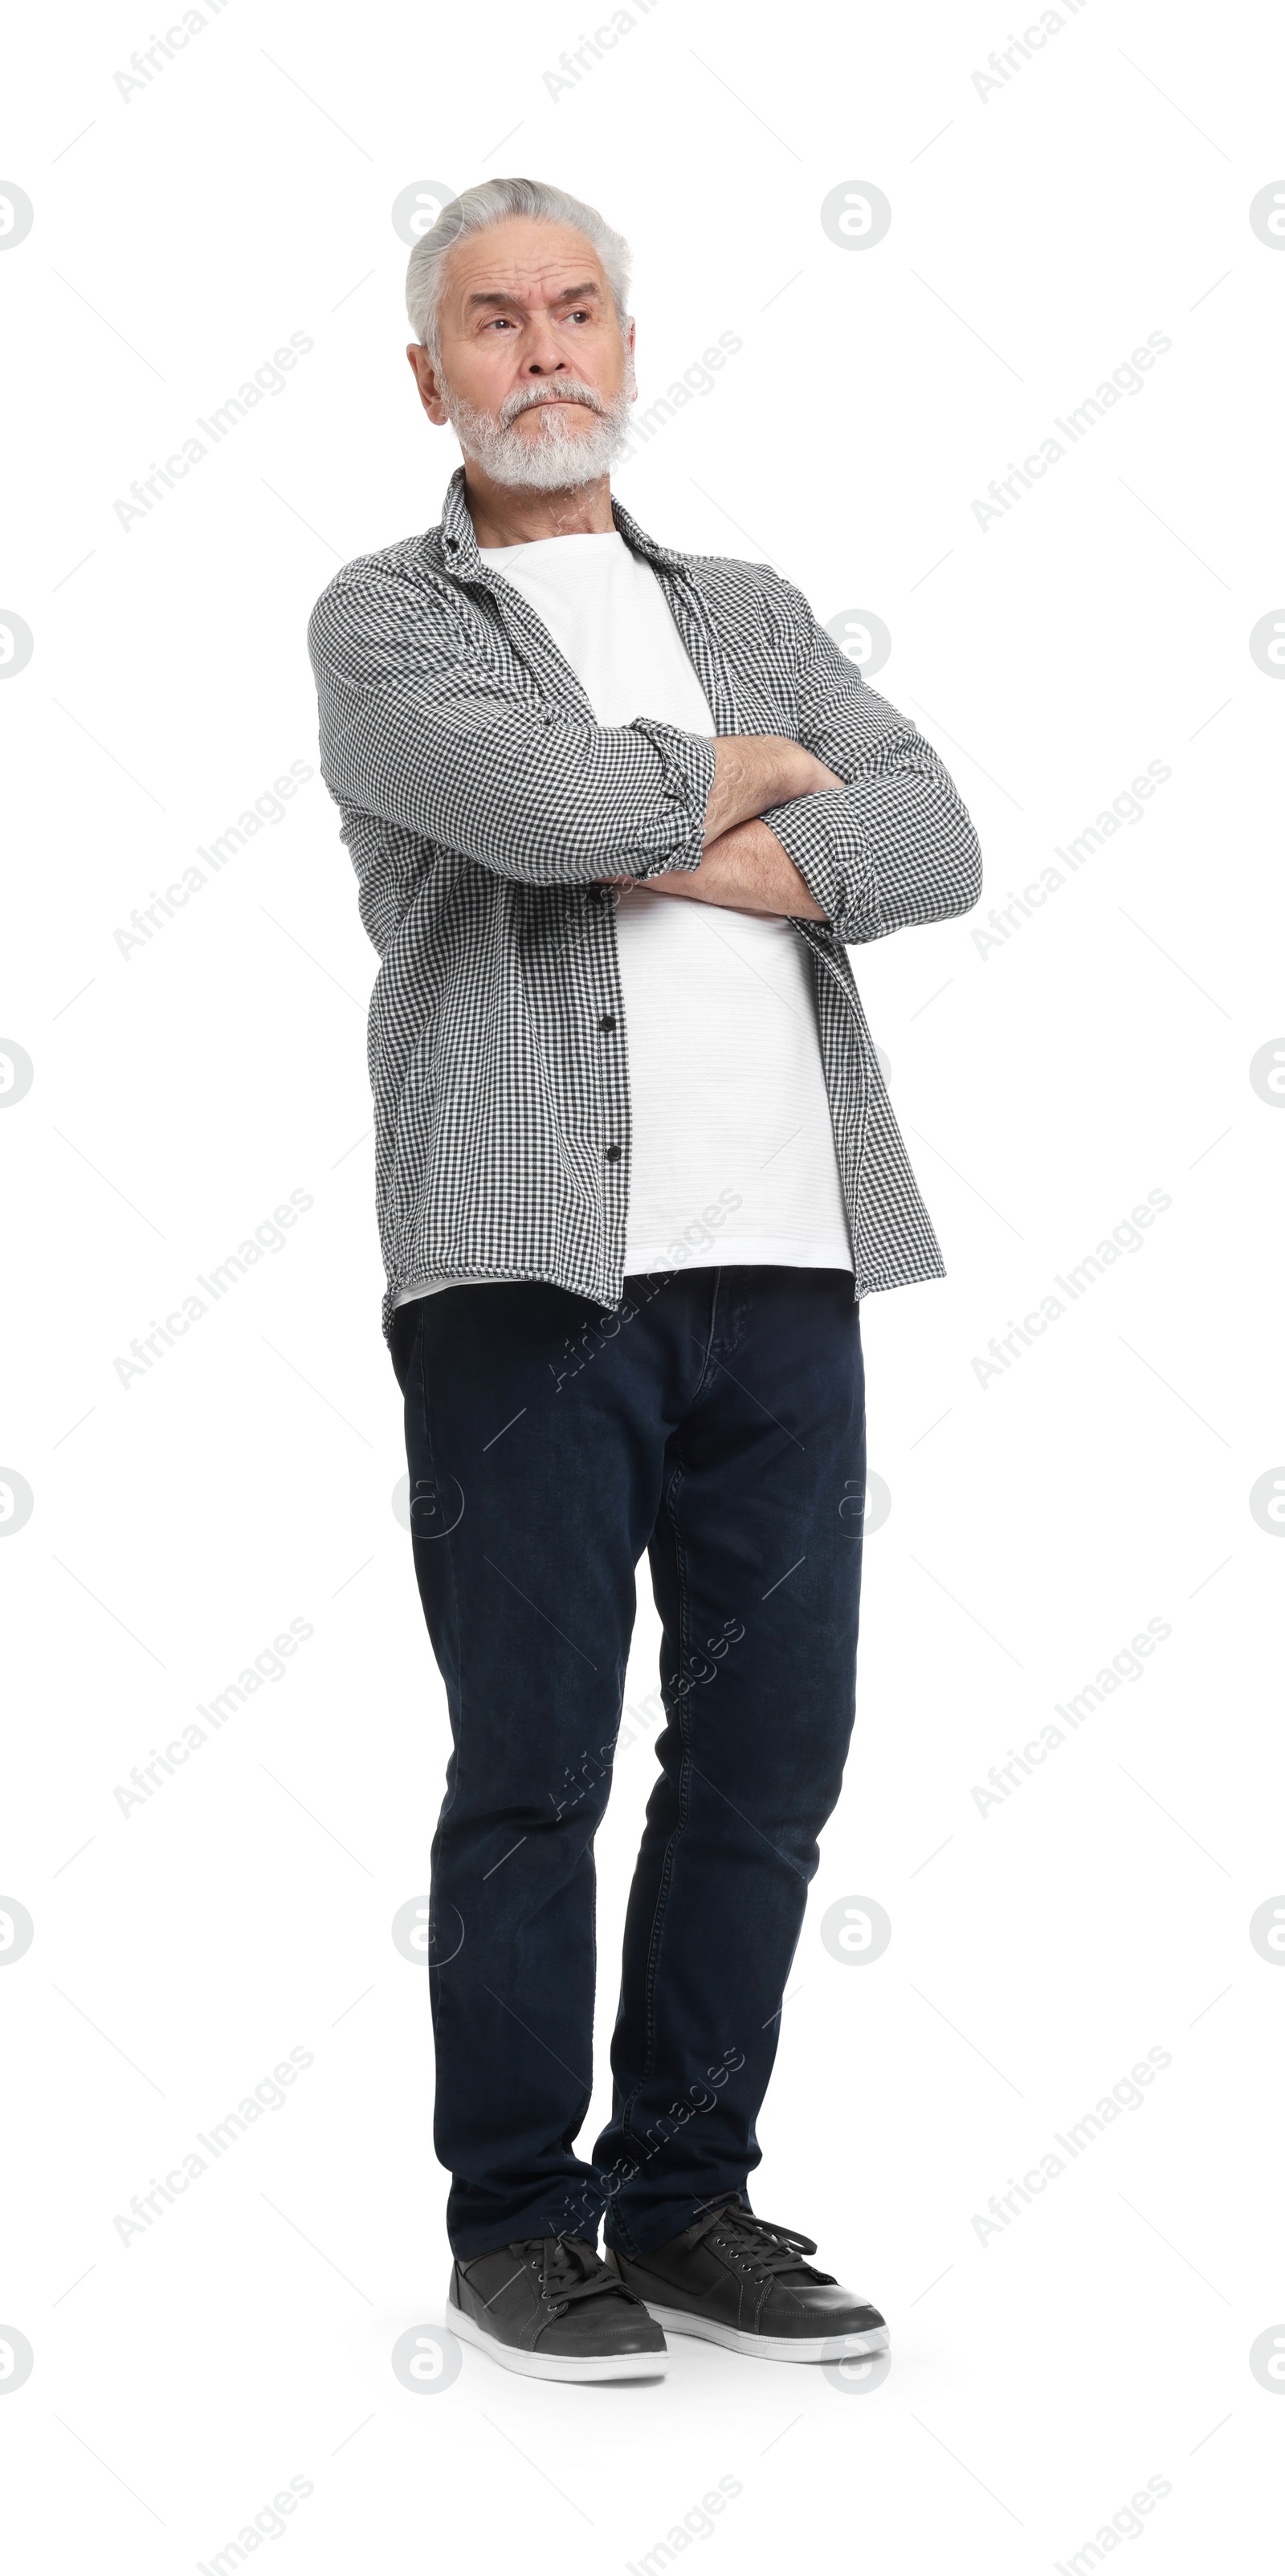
755 770
744 870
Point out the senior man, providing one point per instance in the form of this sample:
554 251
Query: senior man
616 812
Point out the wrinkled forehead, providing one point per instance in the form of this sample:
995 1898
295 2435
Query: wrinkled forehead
522 266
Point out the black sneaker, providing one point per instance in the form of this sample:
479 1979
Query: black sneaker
551 2308
740 2281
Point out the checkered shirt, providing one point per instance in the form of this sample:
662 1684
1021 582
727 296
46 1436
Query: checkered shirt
479 799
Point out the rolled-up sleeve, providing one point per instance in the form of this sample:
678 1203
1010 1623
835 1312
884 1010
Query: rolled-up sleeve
420 730
893 845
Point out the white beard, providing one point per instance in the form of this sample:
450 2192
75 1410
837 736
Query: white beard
560 453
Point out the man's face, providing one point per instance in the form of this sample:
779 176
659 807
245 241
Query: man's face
535 375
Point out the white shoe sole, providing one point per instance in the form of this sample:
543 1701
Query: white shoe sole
759 2347
548 2365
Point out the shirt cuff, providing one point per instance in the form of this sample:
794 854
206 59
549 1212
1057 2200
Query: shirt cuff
831 852
687 776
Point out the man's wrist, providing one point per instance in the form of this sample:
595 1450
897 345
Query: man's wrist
751 772
745 869
760 874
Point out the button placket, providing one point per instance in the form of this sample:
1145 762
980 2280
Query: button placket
614 1071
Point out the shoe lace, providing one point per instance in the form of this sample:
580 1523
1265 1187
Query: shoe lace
757 2244
570 2269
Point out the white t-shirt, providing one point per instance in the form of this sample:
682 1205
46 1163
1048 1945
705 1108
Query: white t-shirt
727 1095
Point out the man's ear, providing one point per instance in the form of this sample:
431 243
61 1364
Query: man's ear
422 369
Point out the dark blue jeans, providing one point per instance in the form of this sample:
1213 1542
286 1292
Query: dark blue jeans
715 1420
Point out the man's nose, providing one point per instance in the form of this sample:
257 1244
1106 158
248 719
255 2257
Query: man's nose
544 357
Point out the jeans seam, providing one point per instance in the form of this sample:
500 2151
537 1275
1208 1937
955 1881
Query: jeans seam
419 1381
667 1866
699 1387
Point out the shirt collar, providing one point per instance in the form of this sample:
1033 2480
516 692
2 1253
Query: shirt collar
458 536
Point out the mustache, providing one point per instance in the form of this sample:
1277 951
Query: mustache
571 389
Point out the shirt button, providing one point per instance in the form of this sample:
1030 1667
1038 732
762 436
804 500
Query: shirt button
613 1153
607 1021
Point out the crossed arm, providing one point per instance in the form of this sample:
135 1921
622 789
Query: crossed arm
429 750
743 867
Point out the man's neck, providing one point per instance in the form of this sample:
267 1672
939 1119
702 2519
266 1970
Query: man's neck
513 514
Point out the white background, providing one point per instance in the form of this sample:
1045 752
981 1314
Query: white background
1038 1521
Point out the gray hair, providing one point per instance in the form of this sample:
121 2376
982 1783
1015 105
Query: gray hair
493 202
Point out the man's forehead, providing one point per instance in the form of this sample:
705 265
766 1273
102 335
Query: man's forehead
532 272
